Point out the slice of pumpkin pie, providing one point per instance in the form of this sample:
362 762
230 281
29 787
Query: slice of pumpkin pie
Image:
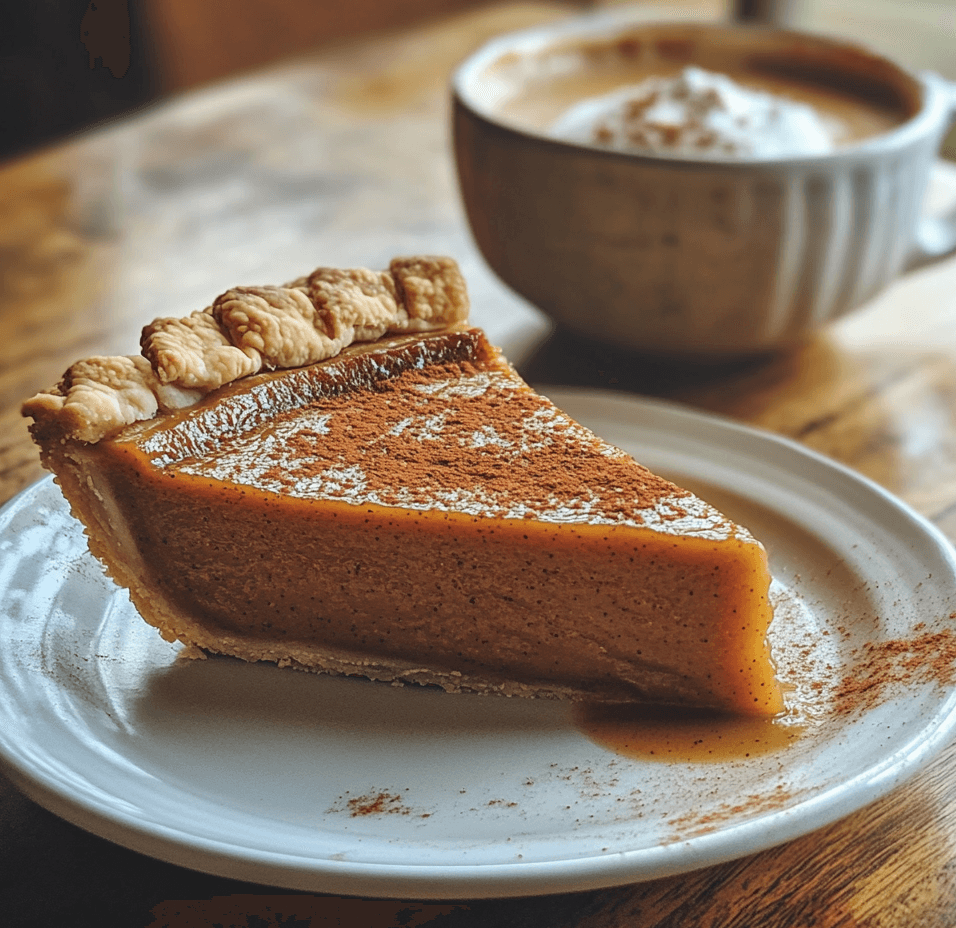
340 475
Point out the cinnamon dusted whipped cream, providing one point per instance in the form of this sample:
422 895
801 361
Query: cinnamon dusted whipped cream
698 114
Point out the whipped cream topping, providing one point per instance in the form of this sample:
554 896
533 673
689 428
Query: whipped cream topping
698 114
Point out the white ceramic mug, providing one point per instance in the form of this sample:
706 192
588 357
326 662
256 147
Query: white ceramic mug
694 256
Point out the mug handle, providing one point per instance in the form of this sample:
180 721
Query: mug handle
936 235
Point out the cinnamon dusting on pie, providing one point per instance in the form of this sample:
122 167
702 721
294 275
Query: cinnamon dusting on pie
442 434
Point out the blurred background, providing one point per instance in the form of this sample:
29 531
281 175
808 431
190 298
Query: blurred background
69 64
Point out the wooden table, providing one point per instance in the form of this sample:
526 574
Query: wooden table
344 159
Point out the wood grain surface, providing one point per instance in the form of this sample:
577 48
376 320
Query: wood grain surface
343 158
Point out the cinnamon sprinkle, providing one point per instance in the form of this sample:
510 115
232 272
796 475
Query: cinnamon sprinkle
926 658
379 804
361 427
440 423
465 435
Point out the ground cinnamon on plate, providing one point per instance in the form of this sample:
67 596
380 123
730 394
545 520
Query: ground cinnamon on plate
926 658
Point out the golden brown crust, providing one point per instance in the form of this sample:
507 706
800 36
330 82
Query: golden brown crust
194 352
432 289
357 298
99 395
246 330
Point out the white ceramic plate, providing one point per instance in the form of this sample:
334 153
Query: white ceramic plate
349 787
